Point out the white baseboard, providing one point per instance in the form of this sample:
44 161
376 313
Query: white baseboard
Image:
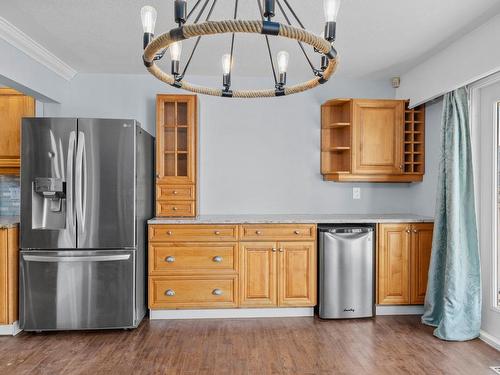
400 310
490 339
268 313
230 313
10 329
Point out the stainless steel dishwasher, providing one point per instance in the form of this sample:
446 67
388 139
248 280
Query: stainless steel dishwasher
346 271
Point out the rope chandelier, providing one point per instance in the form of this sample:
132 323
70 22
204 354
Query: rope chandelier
155 48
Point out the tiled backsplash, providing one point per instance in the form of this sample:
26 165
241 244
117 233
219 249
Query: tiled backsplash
10 195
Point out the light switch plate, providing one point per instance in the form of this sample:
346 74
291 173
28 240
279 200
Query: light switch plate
356 193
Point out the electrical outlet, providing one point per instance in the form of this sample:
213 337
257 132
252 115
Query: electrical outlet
356 193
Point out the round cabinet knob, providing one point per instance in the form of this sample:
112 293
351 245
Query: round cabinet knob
415 231
170 259
408 231
169 233
281 250
217 259
258 232
297 232
174 192
158 175
274 250
170 293
216 232
217 292
174 208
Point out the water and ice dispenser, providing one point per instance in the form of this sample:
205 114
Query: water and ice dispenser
49 203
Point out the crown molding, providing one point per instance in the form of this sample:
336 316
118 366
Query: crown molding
24 43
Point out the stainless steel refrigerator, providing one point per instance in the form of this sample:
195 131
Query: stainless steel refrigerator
86 193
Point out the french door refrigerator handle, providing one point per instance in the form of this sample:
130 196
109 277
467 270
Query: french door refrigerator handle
78 180
85 182
71 218
58 259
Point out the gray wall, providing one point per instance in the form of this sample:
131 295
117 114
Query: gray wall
424 200
262 155
23 73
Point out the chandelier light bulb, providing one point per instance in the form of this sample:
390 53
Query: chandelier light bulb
331 10
283 59
175 51
226 63
148 18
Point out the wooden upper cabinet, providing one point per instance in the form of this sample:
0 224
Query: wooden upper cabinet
297 274
13 107
176 155
372 141
393 264
377 136
421 248
258 279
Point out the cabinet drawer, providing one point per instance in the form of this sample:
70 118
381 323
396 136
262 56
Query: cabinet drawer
193 233
276 232
175 208
192 292
178 258
175 192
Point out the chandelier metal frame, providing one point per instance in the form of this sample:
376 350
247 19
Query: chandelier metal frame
155 48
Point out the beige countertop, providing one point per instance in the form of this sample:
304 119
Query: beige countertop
295 219
8 221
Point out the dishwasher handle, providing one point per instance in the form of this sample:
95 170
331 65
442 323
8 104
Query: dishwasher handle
348 236
348 230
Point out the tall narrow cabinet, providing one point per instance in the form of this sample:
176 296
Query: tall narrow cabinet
176 155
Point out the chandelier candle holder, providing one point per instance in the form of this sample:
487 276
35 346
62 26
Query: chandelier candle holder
155 48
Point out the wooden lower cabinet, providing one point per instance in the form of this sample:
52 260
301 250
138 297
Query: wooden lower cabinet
393 264
420 257
278 274
208 266
191 257
9 260
193 291
403 262
258 274
297 274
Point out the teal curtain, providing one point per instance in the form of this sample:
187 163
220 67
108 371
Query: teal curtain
453 299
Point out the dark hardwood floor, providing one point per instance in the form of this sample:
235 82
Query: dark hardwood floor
385 345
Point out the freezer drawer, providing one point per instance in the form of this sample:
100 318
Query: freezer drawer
64 290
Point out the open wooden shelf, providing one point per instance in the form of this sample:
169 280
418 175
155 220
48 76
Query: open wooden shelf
337 125
336 136
414 133
338 149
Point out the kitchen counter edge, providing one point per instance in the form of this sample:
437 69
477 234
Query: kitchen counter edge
295 219
7 222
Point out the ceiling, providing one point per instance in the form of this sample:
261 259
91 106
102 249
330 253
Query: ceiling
376 39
